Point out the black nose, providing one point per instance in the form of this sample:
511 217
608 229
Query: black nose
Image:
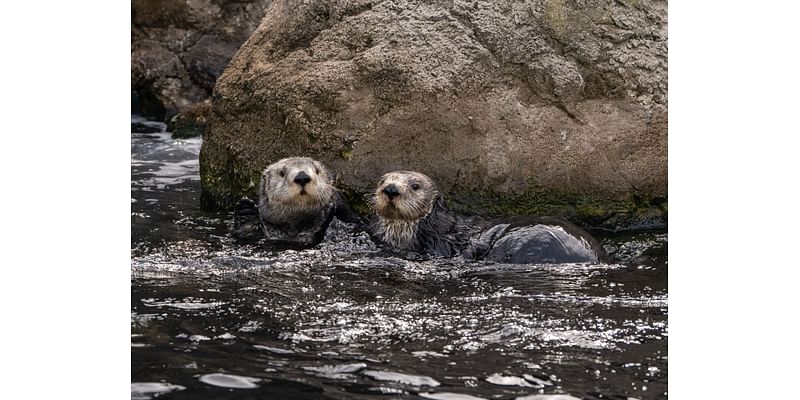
302 178
391 191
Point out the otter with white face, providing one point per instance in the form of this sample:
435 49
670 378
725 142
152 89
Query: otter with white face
291 187
296 203
410 214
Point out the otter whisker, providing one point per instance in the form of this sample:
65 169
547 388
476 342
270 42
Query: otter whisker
372 199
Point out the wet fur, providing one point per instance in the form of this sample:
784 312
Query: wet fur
419 221
490 244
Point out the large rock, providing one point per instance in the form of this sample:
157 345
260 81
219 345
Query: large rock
542 107
180 47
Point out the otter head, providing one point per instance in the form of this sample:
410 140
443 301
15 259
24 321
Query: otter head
405 196
296 183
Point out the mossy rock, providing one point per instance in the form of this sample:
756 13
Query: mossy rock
601 213
190 123
544 107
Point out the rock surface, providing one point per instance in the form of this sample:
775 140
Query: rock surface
191 122
180 47
539 107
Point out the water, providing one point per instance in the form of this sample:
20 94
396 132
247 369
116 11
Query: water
212 319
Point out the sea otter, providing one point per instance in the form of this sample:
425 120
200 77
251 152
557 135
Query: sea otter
296 203
411 214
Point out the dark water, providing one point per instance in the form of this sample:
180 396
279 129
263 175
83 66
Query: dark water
210 319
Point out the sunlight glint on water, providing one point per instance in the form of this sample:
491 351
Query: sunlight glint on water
212 319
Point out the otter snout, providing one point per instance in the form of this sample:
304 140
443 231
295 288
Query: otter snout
297 182
302 178
391 191
404 195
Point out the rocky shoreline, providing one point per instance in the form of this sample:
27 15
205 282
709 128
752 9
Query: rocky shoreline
179 48
539 107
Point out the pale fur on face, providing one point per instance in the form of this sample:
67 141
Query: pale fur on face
399 217
280 196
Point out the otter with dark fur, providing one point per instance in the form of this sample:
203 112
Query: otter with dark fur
296 203
410 214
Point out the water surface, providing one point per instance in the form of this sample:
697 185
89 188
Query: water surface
213 319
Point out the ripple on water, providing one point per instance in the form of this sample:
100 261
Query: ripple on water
230 381
406 379
501 380
425 353
148 390
537 382
273 349
322 315
449 396
225 336
187 304
341 371
195 338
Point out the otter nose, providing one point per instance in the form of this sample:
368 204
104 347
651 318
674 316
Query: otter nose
391 191
302 178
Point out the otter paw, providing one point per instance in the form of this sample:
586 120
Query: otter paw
246 220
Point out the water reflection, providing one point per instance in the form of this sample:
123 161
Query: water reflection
212 319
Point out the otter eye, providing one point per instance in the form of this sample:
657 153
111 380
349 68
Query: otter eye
283 173
316 171
415 186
